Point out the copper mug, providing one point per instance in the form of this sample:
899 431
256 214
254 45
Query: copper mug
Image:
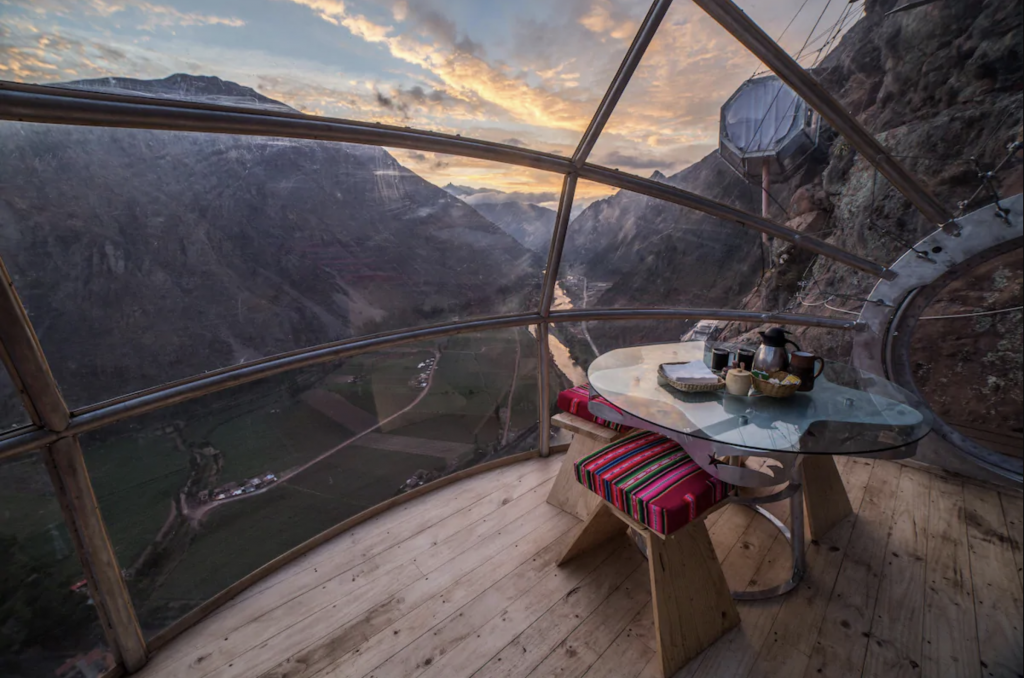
802 364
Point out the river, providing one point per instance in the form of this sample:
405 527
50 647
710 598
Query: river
559 352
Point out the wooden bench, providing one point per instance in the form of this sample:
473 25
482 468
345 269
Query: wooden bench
691 600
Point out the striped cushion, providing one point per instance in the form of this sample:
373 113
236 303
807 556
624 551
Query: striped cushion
650 478
576 400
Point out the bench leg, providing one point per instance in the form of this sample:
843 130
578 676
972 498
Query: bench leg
566 493
692 604
825 499
601 525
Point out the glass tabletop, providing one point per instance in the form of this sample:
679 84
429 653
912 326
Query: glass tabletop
850 411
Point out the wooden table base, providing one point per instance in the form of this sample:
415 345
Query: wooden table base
825 499
692 604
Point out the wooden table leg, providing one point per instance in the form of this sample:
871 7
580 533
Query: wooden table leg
825 499
692 604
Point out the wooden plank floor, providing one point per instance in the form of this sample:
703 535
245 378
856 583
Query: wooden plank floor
924 580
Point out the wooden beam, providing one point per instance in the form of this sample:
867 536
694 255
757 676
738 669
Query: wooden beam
81 513
24 356
31 374
744 29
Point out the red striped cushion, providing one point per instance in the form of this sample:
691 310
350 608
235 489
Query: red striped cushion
576 400
652 479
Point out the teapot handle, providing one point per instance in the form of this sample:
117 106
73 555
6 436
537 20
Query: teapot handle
790 341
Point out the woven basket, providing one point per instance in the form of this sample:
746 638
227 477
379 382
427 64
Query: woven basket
765 387
689 388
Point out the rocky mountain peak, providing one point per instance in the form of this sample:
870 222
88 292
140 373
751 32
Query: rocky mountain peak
183 86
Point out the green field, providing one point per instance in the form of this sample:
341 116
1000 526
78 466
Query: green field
139 468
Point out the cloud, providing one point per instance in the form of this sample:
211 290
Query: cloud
485 197
432 42
161 15
152 15
530 75
604 17
632 161
670 111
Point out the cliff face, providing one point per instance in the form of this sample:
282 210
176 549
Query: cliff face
531 225
651 253
939 85
144 256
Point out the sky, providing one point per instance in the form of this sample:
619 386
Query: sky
523 72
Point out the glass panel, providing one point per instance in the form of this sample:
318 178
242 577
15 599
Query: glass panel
199 495
908 102
12 411
966 354
574 346
145 257
808 31
631 250
521 72
668 117
48 625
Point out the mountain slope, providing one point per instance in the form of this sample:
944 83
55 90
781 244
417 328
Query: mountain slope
147 256
653 253
206 88
530 224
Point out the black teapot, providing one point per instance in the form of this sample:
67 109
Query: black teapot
772 356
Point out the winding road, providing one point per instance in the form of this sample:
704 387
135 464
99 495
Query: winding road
195 513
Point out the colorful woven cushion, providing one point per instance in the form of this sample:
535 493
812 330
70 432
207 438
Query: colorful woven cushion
576 400
650 478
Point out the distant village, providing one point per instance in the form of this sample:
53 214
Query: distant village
420 380
237 489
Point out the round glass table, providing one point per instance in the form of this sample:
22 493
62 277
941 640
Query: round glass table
849 412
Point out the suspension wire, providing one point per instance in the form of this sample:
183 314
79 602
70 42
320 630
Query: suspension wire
813 28
841 310
781 35
848 17
970 315
779 91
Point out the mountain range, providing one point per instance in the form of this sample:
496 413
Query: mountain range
529 223
146 256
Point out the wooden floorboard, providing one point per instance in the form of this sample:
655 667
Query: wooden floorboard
997 599
845 629
923 580
898 626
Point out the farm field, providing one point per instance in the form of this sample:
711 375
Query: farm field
307 430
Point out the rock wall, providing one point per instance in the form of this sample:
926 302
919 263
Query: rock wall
940 86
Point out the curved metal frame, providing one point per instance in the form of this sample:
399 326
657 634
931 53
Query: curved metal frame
54 426
794 490
924 272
